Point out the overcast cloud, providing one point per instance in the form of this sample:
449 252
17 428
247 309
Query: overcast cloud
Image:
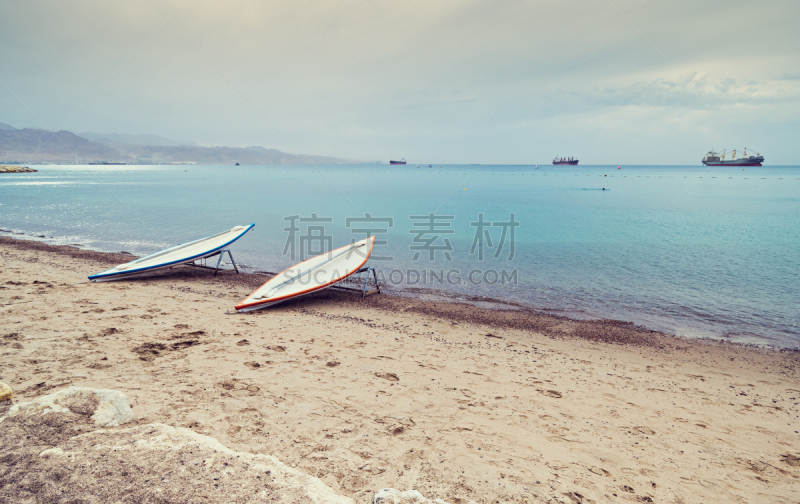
608 81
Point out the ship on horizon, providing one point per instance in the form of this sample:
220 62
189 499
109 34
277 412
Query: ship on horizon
565 161
714 159
401 161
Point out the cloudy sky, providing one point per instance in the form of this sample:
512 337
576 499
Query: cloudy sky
502 81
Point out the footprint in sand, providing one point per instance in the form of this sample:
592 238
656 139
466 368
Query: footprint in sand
149 351
180 345
234 384
193 334
599 471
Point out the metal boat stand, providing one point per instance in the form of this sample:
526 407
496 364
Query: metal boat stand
364 292
219 261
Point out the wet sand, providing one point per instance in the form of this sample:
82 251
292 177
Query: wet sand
461 403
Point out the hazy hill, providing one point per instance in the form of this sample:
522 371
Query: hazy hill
35 145
225 155
114 139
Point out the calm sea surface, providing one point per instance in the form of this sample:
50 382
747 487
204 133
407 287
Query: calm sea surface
692 250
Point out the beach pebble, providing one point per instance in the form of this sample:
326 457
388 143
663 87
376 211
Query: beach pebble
6 394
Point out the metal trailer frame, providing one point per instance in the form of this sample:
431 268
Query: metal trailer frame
219 261
363 290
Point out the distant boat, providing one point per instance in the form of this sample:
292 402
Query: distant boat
714 159
402 161
237 164
565 161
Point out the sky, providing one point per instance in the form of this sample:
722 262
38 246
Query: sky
489 82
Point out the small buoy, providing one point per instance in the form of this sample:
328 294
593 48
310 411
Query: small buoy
618 167
465 188
604 188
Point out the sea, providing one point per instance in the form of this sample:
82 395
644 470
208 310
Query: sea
701 252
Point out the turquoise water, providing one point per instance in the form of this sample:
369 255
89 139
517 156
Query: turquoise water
696 251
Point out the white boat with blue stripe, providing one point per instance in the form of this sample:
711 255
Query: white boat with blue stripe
174 256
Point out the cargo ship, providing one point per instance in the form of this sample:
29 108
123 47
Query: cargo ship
713 158
402 161
565 161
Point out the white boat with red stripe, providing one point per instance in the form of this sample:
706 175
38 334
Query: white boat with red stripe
311 275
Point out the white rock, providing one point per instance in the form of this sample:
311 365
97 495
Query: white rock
413 496
392 496
198 466
163 445
385 496
113 408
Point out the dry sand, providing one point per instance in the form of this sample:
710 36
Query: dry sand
460 403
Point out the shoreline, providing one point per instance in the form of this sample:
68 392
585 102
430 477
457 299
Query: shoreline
537 319
463 404
517 317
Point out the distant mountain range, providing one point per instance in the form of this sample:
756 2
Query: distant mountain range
129 139
41 146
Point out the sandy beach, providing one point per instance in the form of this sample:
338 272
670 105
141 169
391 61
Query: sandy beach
461 403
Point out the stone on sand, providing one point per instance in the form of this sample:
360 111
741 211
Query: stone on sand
6 394
112 407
